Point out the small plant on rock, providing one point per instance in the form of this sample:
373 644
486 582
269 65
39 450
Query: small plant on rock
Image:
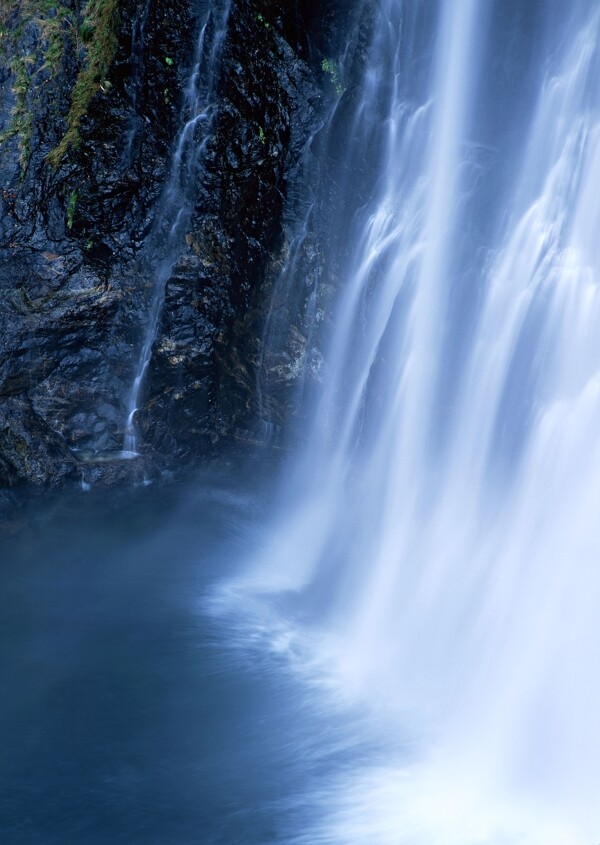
71 206
331 69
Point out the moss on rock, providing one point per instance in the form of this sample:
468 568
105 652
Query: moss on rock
98 34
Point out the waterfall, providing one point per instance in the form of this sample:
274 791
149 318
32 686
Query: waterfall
439 533
136 61
175 207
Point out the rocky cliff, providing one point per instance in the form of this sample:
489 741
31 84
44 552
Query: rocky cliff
90 101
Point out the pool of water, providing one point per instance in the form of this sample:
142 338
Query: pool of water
150 697
130 711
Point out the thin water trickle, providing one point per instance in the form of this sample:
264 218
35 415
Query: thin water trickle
136 62
175 206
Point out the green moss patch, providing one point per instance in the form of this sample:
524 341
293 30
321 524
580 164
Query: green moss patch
98 34
55 22
21 119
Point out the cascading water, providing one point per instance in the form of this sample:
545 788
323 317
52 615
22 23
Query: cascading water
442 523
136 60
175 206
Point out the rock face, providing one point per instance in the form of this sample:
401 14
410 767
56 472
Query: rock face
201 384
74 219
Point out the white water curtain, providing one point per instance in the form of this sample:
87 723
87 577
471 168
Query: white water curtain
451 524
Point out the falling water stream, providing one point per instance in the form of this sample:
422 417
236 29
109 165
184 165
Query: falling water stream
439 534
175 207
136 62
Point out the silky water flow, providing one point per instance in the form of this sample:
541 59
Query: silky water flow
165 241
435 558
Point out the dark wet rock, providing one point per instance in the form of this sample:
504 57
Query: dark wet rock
202 381
30 448
73 289
70 301
112 468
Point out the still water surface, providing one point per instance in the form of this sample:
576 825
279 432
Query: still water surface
130 712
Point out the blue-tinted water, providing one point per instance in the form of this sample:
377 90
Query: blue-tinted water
130 714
